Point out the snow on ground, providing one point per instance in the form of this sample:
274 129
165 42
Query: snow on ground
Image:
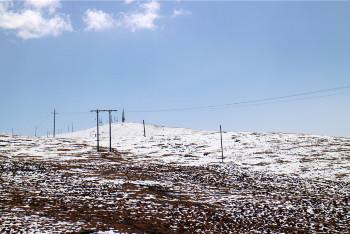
44 148
172 181
293 154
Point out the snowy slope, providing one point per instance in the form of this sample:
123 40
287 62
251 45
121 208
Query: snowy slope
172 181
43 148
305 155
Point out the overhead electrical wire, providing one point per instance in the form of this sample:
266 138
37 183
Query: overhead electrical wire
315 94
276 99
286 100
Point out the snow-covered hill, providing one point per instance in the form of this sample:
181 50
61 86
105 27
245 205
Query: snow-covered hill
172 181
304 155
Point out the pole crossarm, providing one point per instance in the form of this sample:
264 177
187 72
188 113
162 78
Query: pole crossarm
106 110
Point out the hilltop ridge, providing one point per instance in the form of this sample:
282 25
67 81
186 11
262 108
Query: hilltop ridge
304 155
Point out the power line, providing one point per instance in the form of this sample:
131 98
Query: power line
253 101
283 101
315 94
75 113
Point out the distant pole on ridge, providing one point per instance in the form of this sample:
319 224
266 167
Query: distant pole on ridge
54 123
144 128
222 149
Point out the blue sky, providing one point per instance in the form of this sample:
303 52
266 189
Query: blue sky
139 55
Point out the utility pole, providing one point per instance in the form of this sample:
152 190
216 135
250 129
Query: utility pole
72 128
110 127
36 128
222 149
123 116
144 128
97 130
110 131
54 123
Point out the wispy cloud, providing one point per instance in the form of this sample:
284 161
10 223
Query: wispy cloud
128 1
41 18
180 12
143 18
97 20
51 5
31 22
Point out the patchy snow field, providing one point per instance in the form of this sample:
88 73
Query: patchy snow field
172 181
291 154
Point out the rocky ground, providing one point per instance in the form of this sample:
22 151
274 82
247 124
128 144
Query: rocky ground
77 190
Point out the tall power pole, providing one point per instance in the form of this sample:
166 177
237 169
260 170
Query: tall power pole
110 127
97 130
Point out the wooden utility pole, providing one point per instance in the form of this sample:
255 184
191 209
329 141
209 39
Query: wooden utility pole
123 116
110 127
36 129
110 130
54 123
222 149
144 128
97 130
72 128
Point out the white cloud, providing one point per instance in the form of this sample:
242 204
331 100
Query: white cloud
180 12
41 4
128 1
144 18
97 20
31 23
